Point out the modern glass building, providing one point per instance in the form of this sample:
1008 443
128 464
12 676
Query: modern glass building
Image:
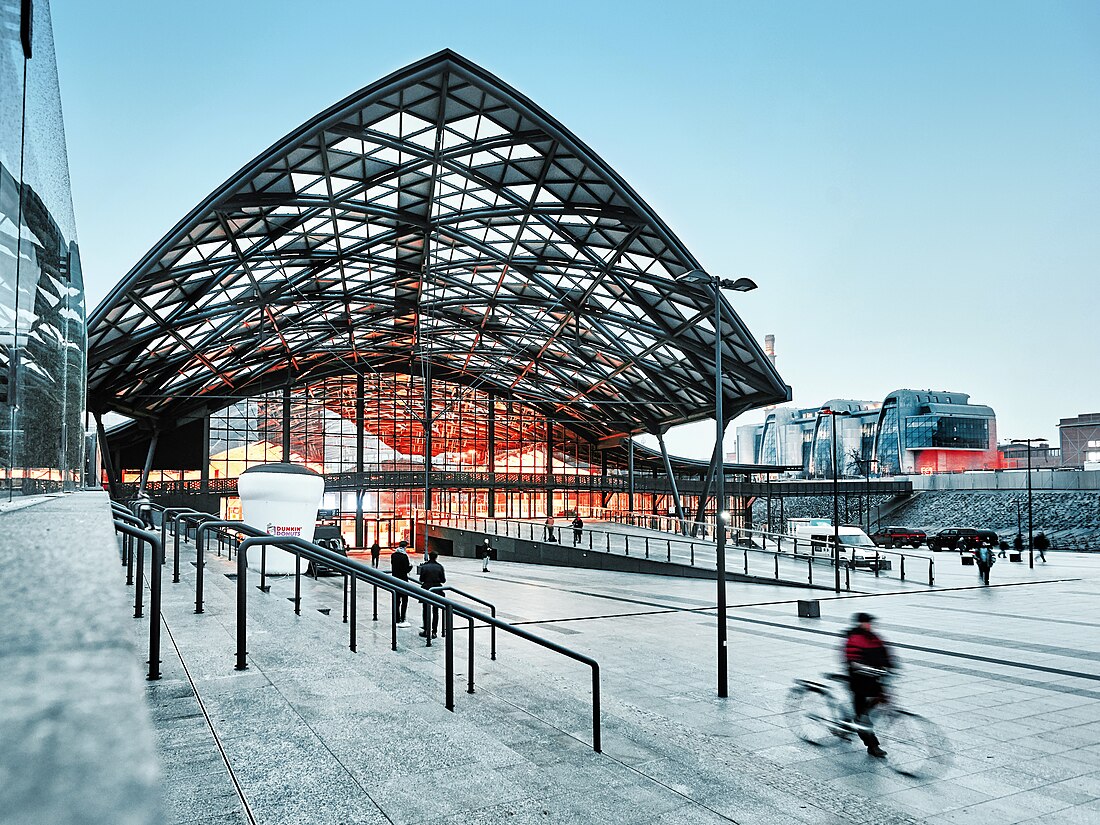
434 294
910 431
42 332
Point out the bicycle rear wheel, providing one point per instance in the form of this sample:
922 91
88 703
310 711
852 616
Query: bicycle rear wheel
810 714
916 746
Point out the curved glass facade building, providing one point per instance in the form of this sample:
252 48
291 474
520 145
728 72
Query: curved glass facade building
910 431
42 332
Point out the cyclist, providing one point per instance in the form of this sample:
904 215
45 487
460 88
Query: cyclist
867 658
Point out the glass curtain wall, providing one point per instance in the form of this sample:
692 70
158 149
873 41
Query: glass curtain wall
324 434
42 335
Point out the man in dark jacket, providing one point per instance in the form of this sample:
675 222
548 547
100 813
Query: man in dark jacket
431 575
399 569
578 526
866 656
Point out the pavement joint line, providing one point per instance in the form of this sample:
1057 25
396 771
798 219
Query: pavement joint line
210 726
932 650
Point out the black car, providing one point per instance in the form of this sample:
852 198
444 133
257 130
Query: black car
962 538
899 537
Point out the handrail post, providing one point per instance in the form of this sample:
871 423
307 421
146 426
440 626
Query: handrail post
375 601
931 577
157 552
393 620
470 658
449 647
298 585
596 743
810 570
848 578
777 565
877 564
745 552
903 567
264 586
345 598
351 623
242 601
669 550
139 579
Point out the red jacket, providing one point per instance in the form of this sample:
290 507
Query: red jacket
864 647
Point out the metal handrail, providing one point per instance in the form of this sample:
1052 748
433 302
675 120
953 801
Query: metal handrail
358 571
492 611
536 532
156 560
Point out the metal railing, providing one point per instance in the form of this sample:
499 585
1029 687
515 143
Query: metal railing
753 546
354 572
141 537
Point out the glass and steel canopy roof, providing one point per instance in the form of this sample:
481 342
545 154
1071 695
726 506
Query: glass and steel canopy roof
436 221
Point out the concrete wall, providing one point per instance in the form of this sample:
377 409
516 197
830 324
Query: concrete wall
1010 480
77 740
565 555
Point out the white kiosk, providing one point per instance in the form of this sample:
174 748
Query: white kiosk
281 499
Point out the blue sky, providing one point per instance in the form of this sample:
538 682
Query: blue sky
914 186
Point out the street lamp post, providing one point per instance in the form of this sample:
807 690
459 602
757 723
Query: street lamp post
1030 530
836 498
717 284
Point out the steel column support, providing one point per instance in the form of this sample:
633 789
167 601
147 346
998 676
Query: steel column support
105 452
630 474
204 470
708 485
549 466
286 424
427 442
148 461
360 434
492 496
672 482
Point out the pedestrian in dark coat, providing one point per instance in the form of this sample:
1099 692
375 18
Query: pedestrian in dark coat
1042 544
375 554
399 569
984 557
578 526
431 575
486 553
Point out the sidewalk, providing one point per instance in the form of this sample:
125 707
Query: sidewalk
314 733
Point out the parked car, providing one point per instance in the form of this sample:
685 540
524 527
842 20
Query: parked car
899 537
962 538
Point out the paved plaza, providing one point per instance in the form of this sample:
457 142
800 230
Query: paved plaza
315 733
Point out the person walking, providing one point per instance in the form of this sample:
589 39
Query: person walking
145 510
399 569
984 557
432 575
549 525
375 553
1018 544
1042 544
486 553
1003 549
868 659
578 526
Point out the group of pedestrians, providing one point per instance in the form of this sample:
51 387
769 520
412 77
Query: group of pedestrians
551 534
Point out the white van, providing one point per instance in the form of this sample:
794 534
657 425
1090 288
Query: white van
856 546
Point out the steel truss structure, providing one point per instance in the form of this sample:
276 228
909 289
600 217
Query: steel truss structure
436 223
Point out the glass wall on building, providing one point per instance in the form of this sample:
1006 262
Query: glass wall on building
42 335
888 448
470 433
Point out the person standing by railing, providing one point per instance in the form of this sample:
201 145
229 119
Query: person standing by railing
431 575
549 525
399 569
145 510
578 526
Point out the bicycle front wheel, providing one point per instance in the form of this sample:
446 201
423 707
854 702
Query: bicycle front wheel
916 746
810 714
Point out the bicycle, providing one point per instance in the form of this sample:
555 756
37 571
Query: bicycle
817 715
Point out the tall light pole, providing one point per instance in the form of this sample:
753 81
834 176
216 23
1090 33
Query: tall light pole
718 284
1030 531
836 497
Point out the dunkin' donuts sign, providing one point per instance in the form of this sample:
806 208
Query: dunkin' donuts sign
281 530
